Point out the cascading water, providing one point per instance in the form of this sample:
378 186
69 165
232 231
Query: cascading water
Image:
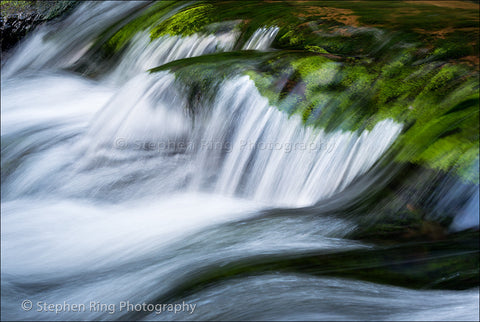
114 191
60 46
143 55
261 39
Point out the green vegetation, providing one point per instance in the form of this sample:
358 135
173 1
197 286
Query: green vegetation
340 66
9 7
439 102
145 20
348 28
214 69
187 22
345 65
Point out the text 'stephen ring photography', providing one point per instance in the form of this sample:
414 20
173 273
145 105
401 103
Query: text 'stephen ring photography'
226 160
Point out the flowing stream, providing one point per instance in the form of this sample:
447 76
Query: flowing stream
113 191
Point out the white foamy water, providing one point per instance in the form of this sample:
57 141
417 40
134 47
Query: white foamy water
265 148
241 147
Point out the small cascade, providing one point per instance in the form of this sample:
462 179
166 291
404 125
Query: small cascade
62 44
262 38
270 157
240 147
144 54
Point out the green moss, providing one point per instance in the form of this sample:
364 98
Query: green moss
310 65
444 153
316 49
150 16
14 7
294 39
201 76
263 84
186 22
317 72
353 95
357 78
442 78
338 72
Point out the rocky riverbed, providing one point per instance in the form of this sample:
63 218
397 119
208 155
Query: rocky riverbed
20 17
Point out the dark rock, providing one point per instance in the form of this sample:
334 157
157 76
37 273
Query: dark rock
16 22
14 27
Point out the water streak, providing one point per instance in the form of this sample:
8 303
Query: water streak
262 38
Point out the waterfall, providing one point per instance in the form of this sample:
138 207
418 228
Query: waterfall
262 38
263 148
115 189
241 147
143 54
61 45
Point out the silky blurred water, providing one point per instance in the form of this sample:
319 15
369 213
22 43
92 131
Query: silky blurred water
113 191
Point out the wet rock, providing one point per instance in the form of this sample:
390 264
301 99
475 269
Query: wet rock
14 27
19 18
